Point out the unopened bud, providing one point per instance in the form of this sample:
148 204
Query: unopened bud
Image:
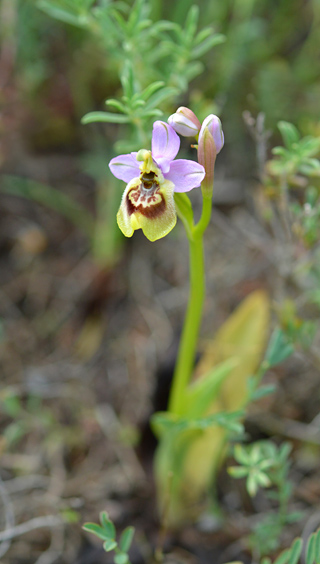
185 122
213 124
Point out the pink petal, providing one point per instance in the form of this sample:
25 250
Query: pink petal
165 144
125 167
185 175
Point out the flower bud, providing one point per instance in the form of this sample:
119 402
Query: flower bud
210 143
185 122
213 124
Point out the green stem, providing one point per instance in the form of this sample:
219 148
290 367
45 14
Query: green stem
188 342
189 337
205 215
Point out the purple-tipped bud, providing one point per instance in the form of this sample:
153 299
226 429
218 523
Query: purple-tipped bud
185 122
210 143
214 126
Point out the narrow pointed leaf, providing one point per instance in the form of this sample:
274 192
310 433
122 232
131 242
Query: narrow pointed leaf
126 539
295 551
94 117
311 549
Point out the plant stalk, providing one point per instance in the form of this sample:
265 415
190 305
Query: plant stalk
189 337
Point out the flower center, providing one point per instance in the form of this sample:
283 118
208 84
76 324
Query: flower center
148 181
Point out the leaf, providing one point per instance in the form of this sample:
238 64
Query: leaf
109 545
279 348
126 539
108 526
317 547
238 471
203 391
311 549
96 530
207 44
241 455
193 455
121 558
127 80
243 336
295 551
117 105
289 133
263 391
151 89
62 13
283 557
192 21
108 117
160 96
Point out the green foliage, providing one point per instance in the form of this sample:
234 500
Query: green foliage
264 465
279 348
210 412
297 155
308 553
107 532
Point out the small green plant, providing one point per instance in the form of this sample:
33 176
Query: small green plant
309 553
291 188
106 531
264 465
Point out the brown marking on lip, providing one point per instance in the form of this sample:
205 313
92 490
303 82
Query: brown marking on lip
152 205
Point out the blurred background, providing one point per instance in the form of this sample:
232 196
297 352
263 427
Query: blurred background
89 321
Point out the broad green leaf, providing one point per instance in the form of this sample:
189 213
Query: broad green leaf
109 545
96 530
108 117
243 337
193 456
295 551
126 539
108 526
203 391
121 558
311 549
283 557
317 547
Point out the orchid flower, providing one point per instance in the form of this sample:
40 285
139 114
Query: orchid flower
152 179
